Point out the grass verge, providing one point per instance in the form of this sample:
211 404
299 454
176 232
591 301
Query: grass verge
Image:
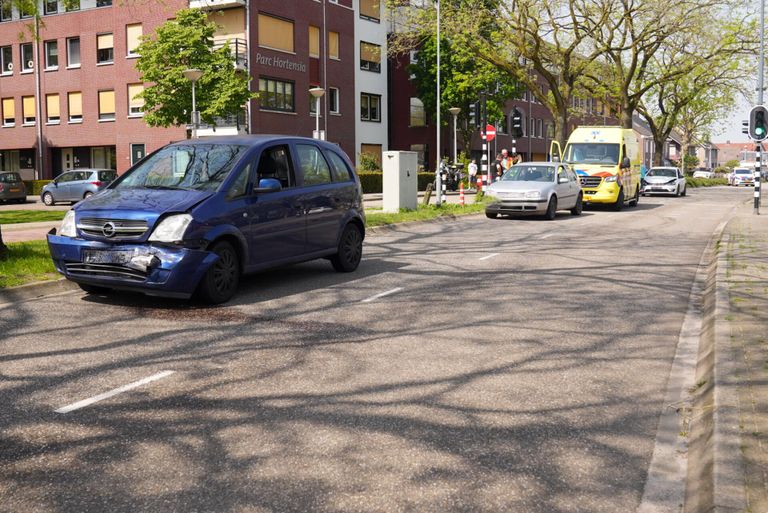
30 216
26 262
422 213
704 182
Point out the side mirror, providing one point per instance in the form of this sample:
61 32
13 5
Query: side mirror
562 179
625 163
268 185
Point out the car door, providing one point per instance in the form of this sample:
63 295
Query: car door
566 196
78 186
60 189
319 197
277 229
574 184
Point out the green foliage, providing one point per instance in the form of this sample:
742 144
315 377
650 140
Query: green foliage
423 213
369 163
35 187
30 216
732 164
704 182
691 161
26 262
183 43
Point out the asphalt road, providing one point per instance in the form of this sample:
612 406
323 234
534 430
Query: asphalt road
476 366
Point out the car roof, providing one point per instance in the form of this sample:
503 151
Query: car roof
663 167
541 164
256 140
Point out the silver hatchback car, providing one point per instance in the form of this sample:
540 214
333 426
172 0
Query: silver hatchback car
73 186
535 188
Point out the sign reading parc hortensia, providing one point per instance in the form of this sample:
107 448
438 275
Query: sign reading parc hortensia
278 62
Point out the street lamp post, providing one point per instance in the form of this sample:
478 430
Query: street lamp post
193 75
317 93
455 111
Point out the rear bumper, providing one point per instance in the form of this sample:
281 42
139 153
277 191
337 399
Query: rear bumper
173 272
6 195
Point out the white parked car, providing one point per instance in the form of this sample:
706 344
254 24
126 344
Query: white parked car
664 180
742 176
702 174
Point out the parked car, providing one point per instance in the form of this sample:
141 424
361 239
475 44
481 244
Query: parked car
76 185
703 173
742 176
12 188
535 188
664 180
195 215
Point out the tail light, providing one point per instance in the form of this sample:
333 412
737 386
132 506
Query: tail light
2 187
97 184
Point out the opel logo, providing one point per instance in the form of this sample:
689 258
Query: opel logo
108 229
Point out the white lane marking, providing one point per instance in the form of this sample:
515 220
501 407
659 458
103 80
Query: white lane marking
377 296
486 257
107 395
546 236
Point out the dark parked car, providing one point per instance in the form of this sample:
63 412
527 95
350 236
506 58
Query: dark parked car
76 185
195 215
12 188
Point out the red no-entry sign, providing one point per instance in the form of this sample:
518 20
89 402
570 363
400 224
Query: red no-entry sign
490 132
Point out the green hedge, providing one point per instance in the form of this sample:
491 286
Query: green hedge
34 187
704 182
372 181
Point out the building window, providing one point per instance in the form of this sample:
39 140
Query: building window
75 105
540 128
333 45
73 52
370 107
9 112
6 11
135 105
314 41
6 60
52 108
74 5
333 100
106 105
28 109
370 57
370 10
27 57
24 11
276 95
275 33
502 126
103 3
132 38
50 7
105 48
532 131
418 115
51 55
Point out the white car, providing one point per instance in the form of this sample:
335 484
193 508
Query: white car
664 180
742 176
702 174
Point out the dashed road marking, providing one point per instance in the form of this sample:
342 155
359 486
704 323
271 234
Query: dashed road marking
486 257
113 392
377 296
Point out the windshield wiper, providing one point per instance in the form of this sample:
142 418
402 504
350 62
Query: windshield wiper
162 187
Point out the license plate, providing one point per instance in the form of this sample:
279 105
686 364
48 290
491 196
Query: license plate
15 190
107 257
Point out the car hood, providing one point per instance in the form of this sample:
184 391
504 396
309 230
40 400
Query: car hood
146 201
521 186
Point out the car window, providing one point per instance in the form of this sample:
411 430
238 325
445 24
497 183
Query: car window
239 186
572 176
314 168
107 176
339 168
9 177
561 174
64 178
79 175
275 162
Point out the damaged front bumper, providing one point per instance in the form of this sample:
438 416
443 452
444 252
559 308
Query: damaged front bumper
157 270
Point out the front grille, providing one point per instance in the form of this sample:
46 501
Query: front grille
123 228
105 271
590 182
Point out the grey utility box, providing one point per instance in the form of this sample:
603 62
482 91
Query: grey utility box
400 184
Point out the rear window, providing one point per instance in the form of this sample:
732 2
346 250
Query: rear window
9 177
107 176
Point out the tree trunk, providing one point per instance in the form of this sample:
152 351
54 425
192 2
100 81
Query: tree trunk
561 128
626 118
658 152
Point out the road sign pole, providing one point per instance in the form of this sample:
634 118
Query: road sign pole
758 169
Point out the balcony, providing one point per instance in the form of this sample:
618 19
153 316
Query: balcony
215 4
235 124
239 48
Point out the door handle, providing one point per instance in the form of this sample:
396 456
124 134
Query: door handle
318 210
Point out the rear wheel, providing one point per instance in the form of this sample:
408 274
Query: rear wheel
48 199
685 191
619 201
636 199
579 207
87 195
350 250
551 208
221 280
94 289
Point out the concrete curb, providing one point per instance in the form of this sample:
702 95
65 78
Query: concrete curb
35 290
728 465
449 218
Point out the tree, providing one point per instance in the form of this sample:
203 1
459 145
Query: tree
183 43
463 78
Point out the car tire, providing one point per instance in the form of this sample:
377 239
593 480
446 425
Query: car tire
685 191
94 289
48 199
221 280
579 207
619 201
636 200
87 195
350 249
551 209
491 215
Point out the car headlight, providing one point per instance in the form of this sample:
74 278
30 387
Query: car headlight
171 229
68 228
672 181
532 195
611 178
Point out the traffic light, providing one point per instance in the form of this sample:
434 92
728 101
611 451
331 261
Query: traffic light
517 123
474 122
758 123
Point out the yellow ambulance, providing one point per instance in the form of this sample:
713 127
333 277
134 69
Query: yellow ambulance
607 160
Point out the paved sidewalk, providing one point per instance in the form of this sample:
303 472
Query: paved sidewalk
746 251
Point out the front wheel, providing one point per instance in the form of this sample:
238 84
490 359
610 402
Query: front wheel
685 191
48 199
491 215
221 280
636 199
619 201
350 250
579 207
87 195
551 209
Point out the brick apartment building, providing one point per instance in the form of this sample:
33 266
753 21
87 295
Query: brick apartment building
69 96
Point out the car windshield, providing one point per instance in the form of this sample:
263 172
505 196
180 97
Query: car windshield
592 153
742 171
9 178
668 173
201 167
529 174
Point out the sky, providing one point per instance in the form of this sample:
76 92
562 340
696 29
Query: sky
731 129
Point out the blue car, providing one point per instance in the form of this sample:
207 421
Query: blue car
194 216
